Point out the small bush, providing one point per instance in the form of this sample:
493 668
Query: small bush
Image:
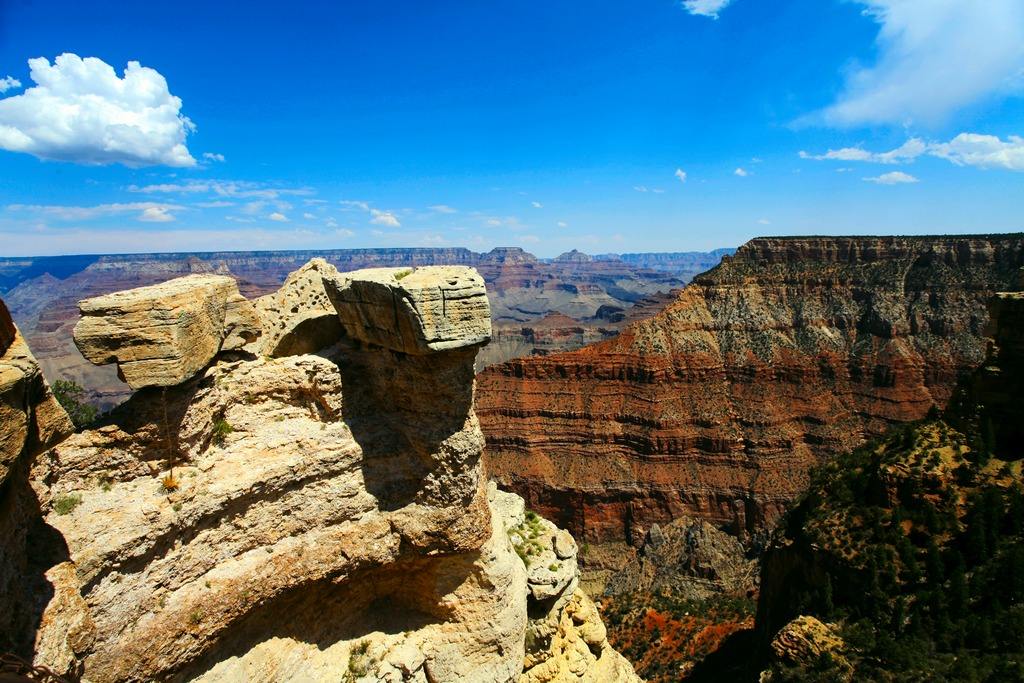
221 429
64 505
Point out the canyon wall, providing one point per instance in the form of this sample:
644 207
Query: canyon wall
270 512
791 351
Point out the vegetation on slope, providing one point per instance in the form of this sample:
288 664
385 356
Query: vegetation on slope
914 547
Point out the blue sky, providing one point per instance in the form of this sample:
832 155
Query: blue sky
656 125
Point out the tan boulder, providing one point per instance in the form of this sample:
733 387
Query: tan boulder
299 318
163 334
415 311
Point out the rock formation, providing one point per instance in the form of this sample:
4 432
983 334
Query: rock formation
316 515
793 350
30 421
163 334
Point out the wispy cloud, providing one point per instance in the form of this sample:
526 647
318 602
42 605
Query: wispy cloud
9 83
741 172
239 189
681 174
278 216
966 149
537 205
148 211
385 218
893 178
442 208
213 156
706 8
935 57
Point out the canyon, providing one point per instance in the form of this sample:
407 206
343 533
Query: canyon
292 492
539 306
789 352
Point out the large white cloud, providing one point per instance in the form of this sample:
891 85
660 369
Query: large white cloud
966 149
705 8
81 111
934 58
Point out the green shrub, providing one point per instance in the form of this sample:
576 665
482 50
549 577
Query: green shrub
64 505
221 429
71 396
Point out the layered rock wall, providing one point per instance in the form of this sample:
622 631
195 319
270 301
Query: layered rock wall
792 350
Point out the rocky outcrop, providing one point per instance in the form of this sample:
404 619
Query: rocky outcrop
416 311
802 644
689 558
317 516
791 351
161 335
31 420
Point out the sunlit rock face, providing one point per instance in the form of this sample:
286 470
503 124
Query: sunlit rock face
716 408
275 516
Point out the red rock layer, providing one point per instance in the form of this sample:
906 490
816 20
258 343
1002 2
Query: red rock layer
791 351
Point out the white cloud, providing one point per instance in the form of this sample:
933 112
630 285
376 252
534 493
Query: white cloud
983 151
353 204
908 151
640 188
764 221
343 232
238 189
220 204
705 8
935 57
384 218
9 83
681 174
80 111
563 224
308 216
537 205
278 216
741 172
149 211
442 208
212 156
893 178
156 214
658 190
966 149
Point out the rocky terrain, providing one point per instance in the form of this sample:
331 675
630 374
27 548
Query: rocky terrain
905 559
538 306
790 352
293 492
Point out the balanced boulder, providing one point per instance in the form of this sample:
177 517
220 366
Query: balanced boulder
414 311
163 334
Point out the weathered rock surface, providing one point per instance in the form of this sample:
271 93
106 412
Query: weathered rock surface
791 351
687 557
162 335
416 311
318 516
298 317
31 420
803 641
